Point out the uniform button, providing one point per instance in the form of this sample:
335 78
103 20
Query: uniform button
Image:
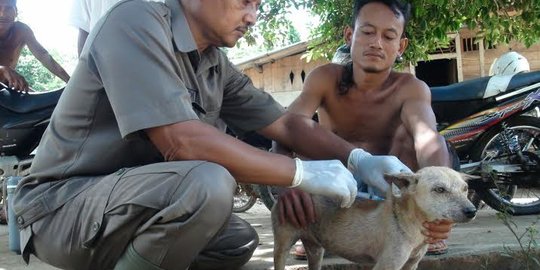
20 220
95 226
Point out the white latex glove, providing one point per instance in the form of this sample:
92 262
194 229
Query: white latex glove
326 177
370 169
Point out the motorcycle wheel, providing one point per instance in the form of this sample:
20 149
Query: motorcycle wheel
244 198
268 194
506 197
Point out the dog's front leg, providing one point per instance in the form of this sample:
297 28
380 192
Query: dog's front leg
415 258
284 238
314 253
392 258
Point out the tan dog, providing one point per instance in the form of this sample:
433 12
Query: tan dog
387 232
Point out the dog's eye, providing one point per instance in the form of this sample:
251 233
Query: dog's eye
439 190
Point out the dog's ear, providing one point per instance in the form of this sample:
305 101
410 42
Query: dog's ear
467 177
401 180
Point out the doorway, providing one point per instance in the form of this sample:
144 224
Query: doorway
438 72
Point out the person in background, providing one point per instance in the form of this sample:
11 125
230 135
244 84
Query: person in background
84 16
371 106
132 172
14 35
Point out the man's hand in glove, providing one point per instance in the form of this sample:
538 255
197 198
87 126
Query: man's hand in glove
326 177
370 170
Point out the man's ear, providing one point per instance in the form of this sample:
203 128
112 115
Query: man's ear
403 43
348 34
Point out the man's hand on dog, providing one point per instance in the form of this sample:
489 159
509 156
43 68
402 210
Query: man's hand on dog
296 207
437 230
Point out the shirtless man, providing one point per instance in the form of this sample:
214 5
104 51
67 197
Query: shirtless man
370 105
14 35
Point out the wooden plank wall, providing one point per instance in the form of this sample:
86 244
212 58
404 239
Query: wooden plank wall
276 76
471 60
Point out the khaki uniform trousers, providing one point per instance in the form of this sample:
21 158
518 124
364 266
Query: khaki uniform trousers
177 215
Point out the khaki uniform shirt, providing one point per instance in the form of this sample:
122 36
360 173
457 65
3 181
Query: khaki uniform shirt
139 69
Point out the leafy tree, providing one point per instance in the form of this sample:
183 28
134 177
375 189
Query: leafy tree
38 77
497 21
273 36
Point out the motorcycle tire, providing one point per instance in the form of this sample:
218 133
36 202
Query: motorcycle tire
268 194
244 198
527 129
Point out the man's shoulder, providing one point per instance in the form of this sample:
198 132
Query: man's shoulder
21 27
407 79
410 86
22 30
327 71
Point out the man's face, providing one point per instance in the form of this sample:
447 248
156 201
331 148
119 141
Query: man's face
376 40
8 12
224 22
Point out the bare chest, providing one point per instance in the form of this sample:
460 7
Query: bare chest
368 121
10 50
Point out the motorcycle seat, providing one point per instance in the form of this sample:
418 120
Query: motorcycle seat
20 102
466 90
524 79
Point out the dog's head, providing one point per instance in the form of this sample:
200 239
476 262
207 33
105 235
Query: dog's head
440 192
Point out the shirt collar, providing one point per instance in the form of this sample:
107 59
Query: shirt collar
182 36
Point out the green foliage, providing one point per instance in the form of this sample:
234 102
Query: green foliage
498 21
38 77
276 30
527 254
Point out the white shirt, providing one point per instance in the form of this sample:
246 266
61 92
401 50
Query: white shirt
86 13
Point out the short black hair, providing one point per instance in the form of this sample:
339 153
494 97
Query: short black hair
399 7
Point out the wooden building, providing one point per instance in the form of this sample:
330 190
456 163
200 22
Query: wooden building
282 72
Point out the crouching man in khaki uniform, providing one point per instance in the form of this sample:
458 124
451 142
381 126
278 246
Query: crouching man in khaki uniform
131 172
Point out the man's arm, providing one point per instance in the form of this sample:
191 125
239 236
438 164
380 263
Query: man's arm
294 205
43 55
419 120
194 140
310 99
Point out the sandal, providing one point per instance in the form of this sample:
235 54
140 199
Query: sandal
437 248
299 253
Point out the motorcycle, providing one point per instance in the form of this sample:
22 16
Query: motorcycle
493 130
23 119
490 123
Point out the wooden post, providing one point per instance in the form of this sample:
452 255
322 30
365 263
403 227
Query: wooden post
459 59
482 58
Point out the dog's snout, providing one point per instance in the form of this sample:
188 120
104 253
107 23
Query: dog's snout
469 212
